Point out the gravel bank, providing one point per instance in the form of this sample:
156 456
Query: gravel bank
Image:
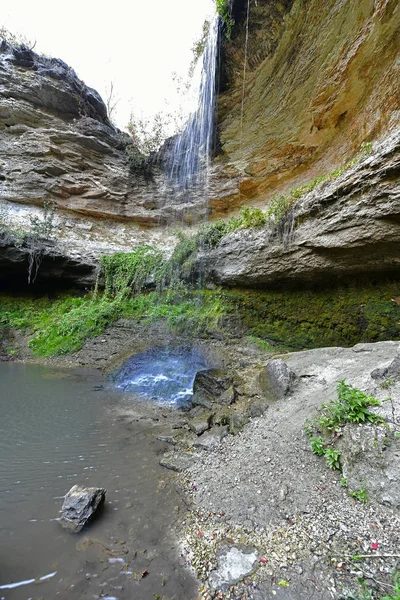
265 489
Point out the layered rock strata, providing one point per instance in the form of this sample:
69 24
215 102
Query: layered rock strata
347 227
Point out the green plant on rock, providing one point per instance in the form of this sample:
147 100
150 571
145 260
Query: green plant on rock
127 272
318 445
252 216
224 12
332 458
279 207
360 495
395 595
350 407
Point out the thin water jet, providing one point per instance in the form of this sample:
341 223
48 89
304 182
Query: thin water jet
189 160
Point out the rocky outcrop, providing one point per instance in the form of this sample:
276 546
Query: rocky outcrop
57 145
344 228
319 81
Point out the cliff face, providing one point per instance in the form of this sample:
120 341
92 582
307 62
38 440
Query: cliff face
57 144
345 228
321 79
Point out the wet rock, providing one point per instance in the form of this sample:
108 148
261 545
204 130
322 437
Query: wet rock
277 379
79 506
200 423
211 439
177 461
213 386
233 564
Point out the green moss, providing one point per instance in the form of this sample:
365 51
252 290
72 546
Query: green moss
308 319
275 321
224 12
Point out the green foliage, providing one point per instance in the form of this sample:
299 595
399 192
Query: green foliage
199 46
252 216
395 595
343 482
332 458
224 12
350 407
61 325
360 495
318 445
368 594
279 207
127 272
210 235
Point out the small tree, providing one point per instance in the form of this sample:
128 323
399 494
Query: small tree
111 101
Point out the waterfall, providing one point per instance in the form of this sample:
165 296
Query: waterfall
190 152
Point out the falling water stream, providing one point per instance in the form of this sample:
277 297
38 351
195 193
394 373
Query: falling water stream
191 150
244 72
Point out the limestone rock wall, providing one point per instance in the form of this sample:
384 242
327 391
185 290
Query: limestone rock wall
57 144
321 79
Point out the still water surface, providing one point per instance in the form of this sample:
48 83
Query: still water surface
58 429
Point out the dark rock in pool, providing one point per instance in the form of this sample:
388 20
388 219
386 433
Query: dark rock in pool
80 505
213 386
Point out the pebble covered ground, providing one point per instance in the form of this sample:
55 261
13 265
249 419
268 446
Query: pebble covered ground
265 489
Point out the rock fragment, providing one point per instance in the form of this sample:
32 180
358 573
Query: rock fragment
79 506
278 380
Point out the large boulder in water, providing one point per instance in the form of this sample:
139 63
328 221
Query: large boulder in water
80 505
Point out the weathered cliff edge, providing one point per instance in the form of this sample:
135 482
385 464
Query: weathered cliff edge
347 227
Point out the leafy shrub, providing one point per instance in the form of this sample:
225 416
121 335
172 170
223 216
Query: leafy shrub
350 407
360 495
126 272
224 12
332 458
318 445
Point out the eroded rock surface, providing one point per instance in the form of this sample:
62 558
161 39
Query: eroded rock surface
306 109
348 227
